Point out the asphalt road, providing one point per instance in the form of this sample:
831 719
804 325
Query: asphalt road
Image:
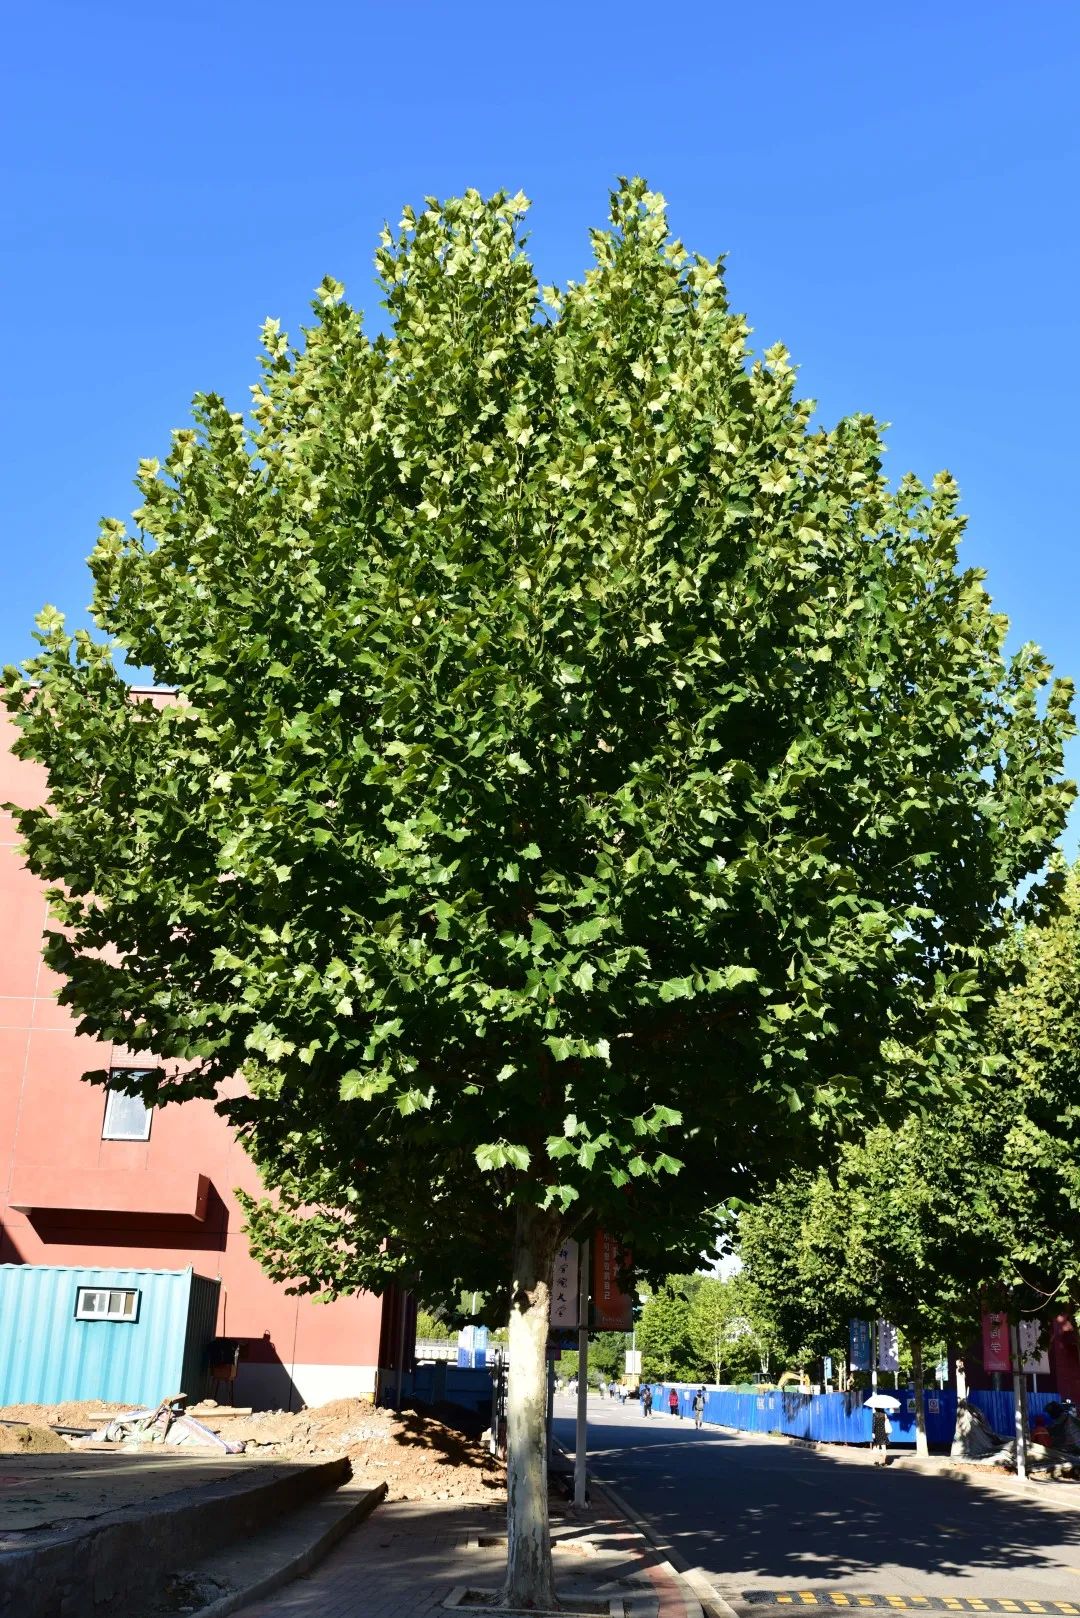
759 1515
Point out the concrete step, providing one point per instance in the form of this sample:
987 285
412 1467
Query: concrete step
107 1556
287 1549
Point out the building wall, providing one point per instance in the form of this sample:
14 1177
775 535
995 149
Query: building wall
69 1197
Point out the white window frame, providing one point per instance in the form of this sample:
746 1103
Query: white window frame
109 1129
115 1299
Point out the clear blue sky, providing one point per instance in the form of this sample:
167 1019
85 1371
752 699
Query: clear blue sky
897 187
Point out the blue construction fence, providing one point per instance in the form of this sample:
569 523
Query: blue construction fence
840 1418
451 1384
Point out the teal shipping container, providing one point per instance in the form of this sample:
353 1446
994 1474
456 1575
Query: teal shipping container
129 1336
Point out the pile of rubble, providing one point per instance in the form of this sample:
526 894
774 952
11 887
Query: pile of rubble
417 1454
420 1454
976 1444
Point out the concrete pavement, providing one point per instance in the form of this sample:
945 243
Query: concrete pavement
413 1558
772 1525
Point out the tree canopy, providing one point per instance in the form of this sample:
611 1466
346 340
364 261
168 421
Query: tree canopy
588 782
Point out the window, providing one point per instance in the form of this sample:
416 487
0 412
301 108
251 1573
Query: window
107 1303
126 1117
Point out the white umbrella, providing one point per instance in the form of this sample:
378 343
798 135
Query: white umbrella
881 1401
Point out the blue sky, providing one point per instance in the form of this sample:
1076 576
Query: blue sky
897 189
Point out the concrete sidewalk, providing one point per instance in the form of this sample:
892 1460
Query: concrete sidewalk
411 1557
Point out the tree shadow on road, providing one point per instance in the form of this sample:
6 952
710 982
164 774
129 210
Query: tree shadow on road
760 1508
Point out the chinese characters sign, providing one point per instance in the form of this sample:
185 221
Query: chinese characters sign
995 1342
859 1345
888 1350
613 1309
564 1286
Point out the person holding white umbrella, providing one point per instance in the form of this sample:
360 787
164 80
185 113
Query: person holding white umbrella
880 1404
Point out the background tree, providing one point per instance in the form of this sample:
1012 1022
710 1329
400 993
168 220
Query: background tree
723 1334
798 1302
1025 1133
900 1235
589 786
663 1331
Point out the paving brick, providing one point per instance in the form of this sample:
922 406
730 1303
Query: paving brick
406 1558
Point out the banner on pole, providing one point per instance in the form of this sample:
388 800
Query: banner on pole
613 1309
888 1358
859 1344
995 1336
1033 1358
564 1287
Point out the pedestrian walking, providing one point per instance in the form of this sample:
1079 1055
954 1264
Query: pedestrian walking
673 1403
699 1407
646 1401
879 1438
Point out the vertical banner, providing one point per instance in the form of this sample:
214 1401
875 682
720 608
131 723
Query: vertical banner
888 1358
995 1337
859 1344
613 1310
564 1287
1033 1358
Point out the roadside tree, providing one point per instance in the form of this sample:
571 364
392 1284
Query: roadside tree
588 785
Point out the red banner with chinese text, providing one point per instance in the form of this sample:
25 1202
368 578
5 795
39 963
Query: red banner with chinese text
613 1310
995 1336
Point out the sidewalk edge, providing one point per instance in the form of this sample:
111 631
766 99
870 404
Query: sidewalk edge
704 1595
302 1562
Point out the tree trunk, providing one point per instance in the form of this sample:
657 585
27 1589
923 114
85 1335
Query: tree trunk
921 1446
530 1580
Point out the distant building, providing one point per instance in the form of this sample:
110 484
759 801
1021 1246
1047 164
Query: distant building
90 1178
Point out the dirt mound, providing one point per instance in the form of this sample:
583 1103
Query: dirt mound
29 1440
72 1413
344 1410
418 1456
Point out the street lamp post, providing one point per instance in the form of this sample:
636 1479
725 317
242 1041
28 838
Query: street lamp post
580 1436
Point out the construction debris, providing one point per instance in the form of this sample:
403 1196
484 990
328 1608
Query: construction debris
976 1443
166 1423
431 1453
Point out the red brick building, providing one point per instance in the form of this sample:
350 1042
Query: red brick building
90 1178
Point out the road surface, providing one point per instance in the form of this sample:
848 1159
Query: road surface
774 1526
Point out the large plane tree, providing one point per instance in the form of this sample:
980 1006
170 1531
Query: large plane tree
588 783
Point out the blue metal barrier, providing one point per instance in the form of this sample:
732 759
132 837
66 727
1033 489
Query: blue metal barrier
841 1418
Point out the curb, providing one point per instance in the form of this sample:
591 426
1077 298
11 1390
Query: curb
849 1455
702 1599
302 1562
703 1596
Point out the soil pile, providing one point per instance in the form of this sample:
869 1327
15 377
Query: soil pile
416 1454
30 1440
72 1413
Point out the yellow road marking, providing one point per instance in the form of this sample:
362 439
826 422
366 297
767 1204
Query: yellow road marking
1009 1605
1034 1606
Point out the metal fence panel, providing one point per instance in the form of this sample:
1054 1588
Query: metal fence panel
841 1418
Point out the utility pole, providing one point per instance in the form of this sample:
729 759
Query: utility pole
875 1345
580 1476
1019 1401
